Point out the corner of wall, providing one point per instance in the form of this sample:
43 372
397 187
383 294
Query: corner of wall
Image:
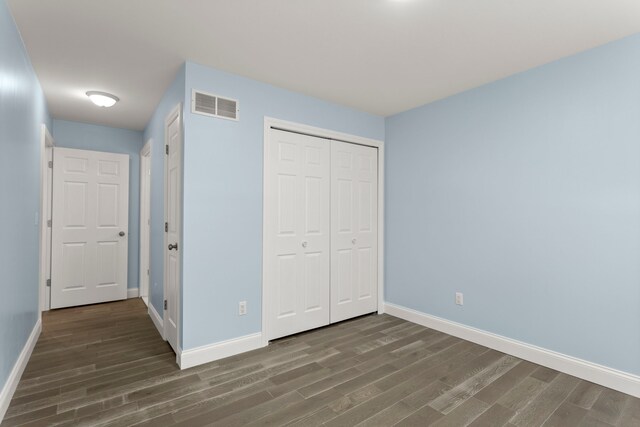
174 94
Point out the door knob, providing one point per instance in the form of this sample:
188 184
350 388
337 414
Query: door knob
304 244
353 241
173 246
121 234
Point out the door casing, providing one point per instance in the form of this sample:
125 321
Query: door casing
145 220
46 186
273 123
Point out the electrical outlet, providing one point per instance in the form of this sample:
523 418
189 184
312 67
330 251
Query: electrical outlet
242 308
459 298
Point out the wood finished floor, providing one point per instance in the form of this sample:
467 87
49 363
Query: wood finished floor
106 365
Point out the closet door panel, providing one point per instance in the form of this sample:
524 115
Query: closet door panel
297 234
354 211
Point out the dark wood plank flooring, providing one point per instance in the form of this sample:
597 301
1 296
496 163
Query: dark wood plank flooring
107 365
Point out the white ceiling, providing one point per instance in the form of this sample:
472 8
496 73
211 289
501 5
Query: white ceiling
380 56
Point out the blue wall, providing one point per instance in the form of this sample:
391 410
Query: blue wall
525 195
155 131
223 182
22 112
102 138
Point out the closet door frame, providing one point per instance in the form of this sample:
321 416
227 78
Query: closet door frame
272 123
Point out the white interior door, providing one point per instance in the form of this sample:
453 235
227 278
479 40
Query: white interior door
173 227
297 233
90 227
354 230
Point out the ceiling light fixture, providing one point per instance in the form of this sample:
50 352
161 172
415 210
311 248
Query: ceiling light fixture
102 99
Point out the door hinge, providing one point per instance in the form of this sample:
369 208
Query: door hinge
50 164
49 282
49 223
166 227
165 304
148 272
166 149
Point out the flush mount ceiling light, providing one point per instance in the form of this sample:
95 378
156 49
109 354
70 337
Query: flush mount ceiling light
102 99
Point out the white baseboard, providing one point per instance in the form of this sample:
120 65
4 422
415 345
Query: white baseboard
157 320
133 292
209 353
18 368
605 376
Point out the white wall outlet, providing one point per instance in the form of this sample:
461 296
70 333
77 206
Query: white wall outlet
459 298
242 308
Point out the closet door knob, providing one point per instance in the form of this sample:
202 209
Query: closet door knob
353 241
304 244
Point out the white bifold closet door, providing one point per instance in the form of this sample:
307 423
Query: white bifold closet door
90 227
354 230
321 242
297 223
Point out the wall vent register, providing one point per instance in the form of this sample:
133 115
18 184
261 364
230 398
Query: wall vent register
212 105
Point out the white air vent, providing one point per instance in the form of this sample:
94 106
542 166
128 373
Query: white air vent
212 105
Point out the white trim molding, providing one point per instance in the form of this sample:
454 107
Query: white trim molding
144 250
157 320
133 293
603 375
18 368
220 350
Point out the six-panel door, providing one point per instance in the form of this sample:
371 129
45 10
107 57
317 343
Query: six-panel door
354 230
174 223
297 264
89 227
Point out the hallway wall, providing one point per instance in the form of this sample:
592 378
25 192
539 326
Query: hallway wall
23 110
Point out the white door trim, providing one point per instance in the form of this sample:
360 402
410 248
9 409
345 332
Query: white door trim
46 146
145 218
270 123
175 113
